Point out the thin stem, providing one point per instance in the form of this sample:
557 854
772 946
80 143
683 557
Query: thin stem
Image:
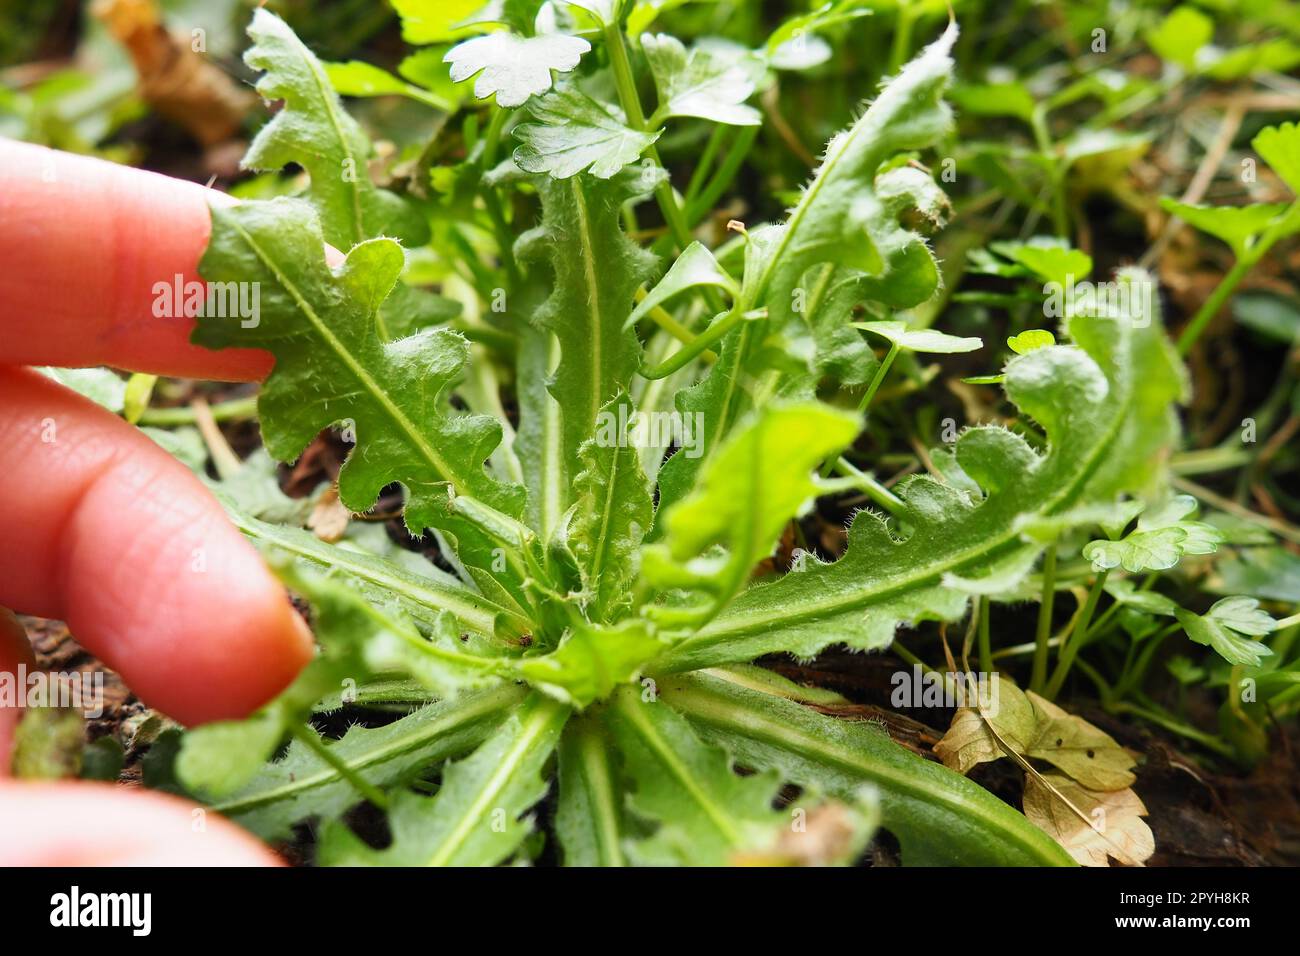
985 641
1038 673
704 166
1282 224
881 371
224 458
662 318
1132 679
1077 638
1056 175
505 240
1176 726
631 102
1211 306
682 356
309 738
184 415
902 45
910 658
869 486
723 178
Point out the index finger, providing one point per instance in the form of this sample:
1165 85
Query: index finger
84 245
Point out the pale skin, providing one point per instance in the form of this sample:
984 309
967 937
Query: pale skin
103 529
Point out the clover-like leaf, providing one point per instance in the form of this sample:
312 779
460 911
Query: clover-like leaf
698 83
1029 340
1228 627
512 68
1162 536
920 340
573 133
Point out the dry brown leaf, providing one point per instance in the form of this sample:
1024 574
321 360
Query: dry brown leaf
1117 830
177 81
1070 743
968 741
329 519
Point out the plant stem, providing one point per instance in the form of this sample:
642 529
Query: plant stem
1211 306
1176 726
698 346
184 415
631 102
881 371
704 167
309 738
985 642
901 48
1056 175
505 240
869 486
1038 673
723 178
1077 638
1132 679
1228 284
662 318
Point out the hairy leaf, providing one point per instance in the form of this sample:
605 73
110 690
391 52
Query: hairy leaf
476 818
1105 403
314 131
939 817
613 511
302 785
590 819
597 271
331 367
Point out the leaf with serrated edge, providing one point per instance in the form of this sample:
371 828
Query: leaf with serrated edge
939 817
513 68
571 133
314 131
330 367
302 786
848 215
476 818
613 510
1105 404
597 271
698 83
